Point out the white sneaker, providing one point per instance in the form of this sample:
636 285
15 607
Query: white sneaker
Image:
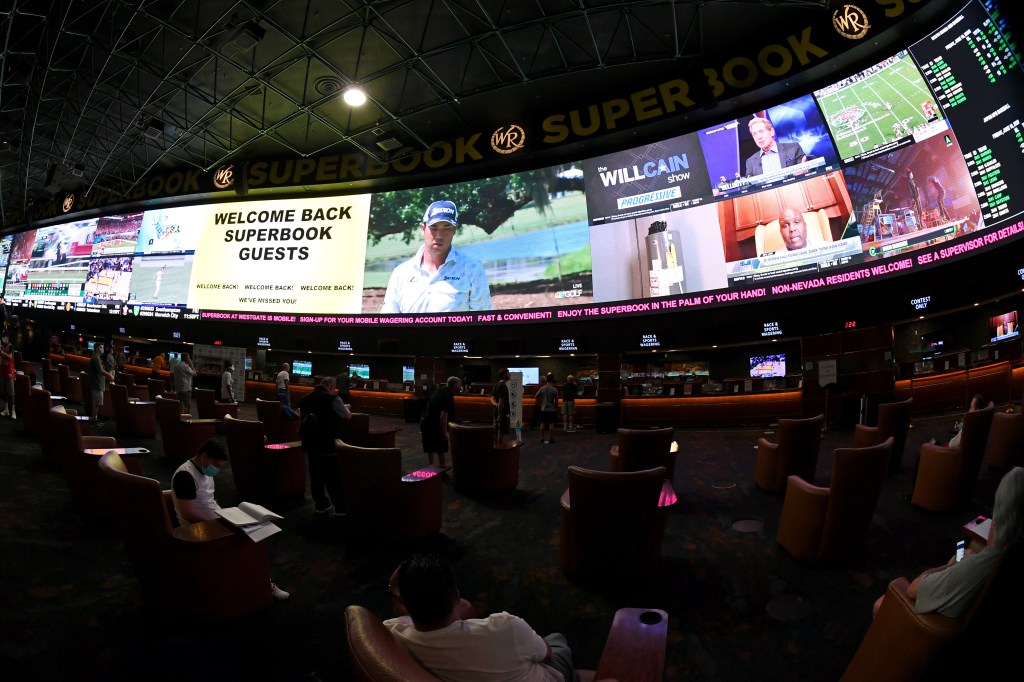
278 593
5 413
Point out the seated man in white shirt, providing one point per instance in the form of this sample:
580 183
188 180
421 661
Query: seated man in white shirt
192 491
499 647
951 589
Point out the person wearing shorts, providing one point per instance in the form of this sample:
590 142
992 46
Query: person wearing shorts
569 391
502 408
546 401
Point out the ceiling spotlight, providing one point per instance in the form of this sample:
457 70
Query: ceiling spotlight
354 97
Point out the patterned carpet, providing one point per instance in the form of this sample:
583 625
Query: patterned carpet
740 608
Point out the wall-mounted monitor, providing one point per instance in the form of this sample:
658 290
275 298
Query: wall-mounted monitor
768 365
408 373
302 368
91 345
1002 327
531 375
248 364
361 371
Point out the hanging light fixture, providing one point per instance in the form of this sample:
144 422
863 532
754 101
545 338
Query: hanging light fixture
354 97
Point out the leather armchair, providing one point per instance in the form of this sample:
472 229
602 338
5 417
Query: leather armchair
136 391
22 390
38 405
278 429
893 420
903 645
478 467
158 387
381 502
134 418
828 524
1005 448
357 431
81 470
945 475
70 384
640 449
263 471
181 436
796 452
210 408
635 646
611 523
203 572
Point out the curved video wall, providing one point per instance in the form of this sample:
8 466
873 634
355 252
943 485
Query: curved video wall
904 166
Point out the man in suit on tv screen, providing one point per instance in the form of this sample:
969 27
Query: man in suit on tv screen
771 156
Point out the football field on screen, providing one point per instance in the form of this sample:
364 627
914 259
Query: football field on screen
883 107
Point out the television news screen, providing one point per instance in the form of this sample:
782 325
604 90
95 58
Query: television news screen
905 165
531 375
1005 326
302 368
762 366
362 371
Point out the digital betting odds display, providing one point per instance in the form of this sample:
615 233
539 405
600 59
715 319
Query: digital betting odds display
904 165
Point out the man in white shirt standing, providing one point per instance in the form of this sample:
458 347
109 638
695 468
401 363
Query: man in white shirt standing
438 278
183 373
499 647
283 395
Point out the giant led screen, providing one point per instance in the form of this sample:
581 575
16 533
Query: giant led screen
899 167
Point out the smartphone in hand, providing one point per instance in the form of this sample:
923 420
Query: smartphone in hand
961 547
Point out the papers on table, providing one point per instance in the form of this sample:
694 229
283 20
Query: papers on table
252 519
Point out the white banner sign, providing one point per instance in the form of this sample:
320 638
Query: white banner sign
290 255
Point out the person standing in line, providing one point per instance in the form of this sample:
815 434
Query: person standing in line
322 415
97 376
500 400
109 363
159 364
192 491
283 394
546 400
434 423
184 370
227 383
7 376
569 391
344 385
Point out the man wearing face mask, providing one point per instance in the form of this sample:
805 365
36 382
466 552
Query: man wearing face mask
192 489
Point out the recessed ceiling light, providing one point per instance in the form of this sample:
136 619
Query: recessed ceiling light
354 97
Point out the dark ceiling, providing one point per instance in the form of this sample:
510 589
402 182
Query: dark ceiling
96 94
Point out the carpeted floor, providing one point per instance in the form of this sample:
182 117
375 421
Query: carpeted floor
739 607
